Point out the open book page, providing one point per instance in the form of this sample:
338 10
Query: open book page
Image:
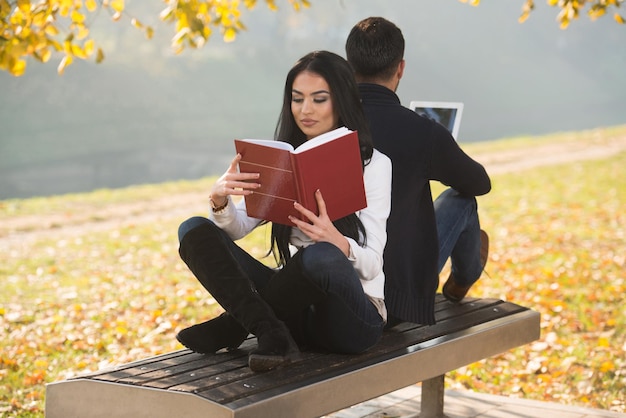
322 139
270 143
312 143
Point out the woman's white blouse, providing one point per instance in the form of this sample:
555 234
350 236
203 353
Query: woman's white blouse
367 260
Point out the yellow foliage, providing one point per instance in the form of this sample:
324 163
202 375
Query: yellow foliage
230 34
51 30
91 5
89 47
45 55
136 23
65 62
149 32
99 56
36 28
82 32
77 17
117 5
78 52
18 67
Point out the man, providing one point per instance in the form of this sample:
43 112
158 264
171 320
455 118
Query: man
421 150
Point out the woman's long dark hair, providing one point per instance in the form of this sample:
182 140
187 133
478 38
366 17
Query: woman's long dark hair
347 106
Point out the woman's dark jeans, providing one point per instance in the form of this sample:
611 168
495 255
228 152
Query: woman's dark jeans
346 321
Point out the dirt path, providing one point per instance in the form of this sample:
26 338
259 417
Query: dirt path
550 154
22 229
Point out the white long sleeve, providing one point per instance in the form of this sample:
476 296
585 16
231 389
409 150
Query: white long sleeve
367 260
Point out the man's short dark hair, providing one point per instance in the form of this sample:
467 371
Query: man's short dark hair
374 48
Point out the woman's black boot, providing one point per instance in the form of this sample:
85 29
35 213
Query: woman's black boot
213 335
290 293
205 252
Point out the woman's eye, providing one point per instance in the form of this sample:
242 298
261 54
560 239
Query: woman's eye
297 99
320 99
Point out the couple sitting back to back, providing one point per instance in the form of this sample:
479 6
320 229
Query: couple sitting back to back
331 290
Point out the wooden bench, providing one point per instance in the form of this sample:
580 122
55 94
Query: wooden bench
186 384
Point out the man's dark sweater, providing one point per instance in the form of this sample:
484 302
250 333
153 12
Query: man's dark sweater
420 150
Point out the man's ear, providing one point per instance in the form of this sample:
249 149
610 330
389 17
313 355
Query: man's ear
400 72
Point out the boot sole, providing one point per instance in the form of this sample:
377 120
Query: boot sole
267 362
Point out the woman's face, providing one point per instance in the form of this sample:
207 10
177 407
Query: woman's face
311 104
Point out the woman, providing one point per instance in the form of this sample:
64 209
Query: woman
328 292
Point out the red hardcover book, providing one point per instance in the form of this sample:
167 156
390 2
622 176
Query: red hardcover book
330 162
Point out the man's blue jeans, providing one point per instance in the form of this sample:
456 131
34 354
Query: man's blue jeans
458 229
346 321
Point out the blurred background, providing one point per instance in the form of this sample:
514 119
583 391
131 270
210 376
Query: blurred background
146 115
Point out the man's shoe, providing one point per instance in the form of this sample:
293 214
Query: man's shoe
456 293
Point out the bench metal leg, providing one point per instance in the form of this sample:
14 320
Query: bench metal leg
432 397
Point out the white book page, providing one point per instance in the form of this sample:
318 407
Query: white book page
270 143
322 139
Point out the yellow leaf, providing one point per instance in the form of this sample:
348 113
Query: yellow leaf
65 62
91 5
596 13
18 68
24 6
475 2
99 56
117 5
166 13
136 23
619 19
206 32
229 35
45 55
77 17
89 46
116 16
180 36
149 32
271 5
83 32
51 30
603 342
523 17
78 52
39 18
607 366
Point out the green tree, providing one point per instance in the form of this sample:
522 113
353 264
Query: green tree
38 28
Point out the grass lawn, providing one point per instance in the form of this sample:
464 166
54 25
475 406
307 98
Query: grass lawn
74 302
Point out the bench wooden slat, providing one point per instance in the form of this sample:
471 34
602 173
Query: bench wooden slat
392 345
